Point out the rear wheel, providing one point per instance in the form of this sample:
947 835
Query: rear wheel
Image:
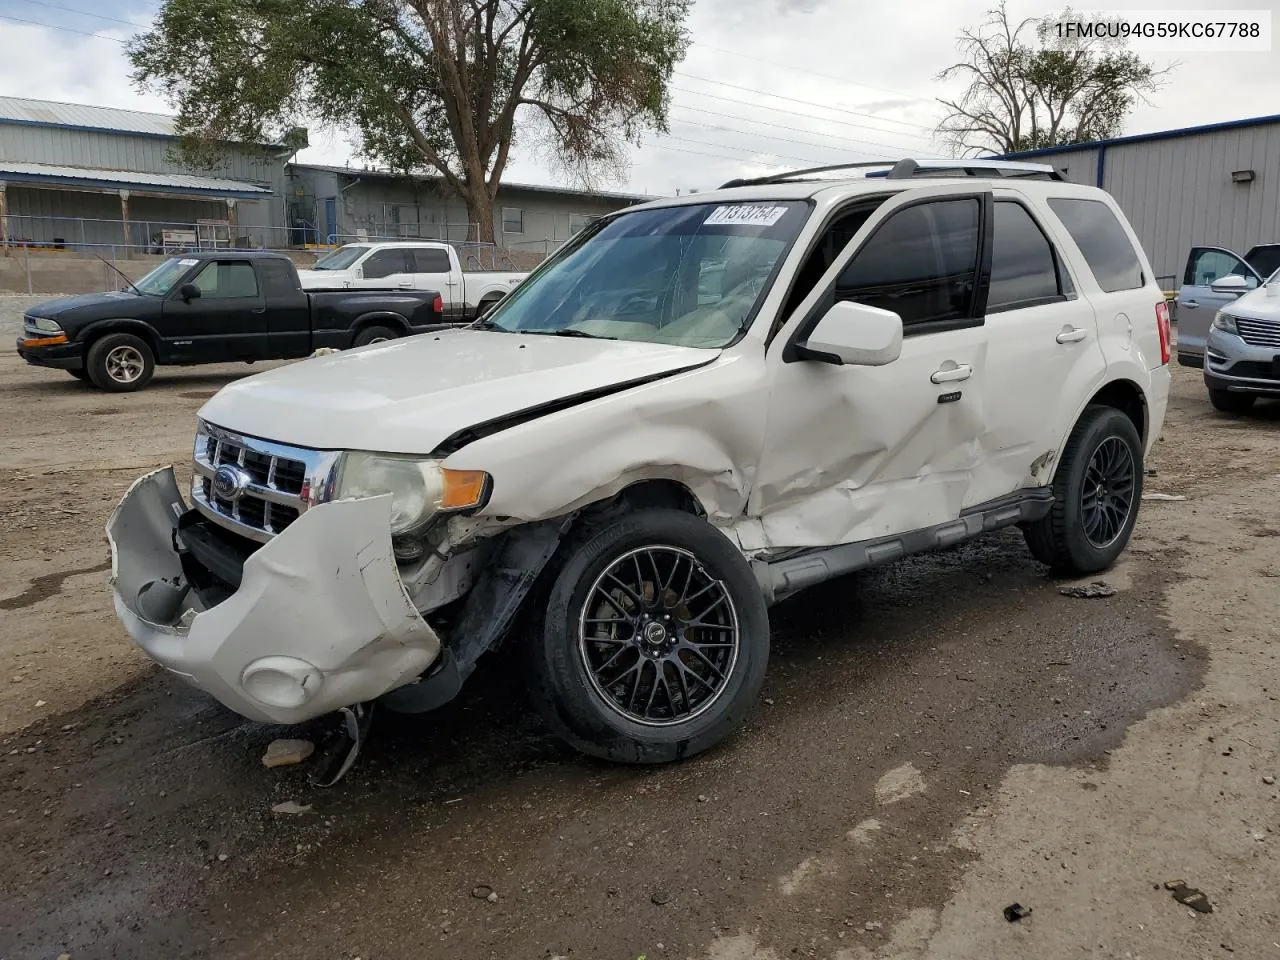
120 362
655 640
373 335
1097 490
1229 402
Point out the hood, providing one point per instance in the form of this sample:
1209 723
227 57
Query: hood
1263 303
410 395
87 306
320 279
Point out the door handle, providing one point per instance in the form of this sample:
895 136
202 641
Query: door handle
1189 304
259 309
961 371
1074 335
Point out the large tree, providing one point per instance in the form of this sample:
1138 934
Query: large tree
1026 89
445 86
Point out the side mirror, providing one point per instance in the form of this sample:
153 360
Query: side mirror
189 292
1233 284
855 334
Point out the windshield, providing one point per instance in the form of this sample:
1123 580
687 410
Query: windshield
162 279
340 259
691 276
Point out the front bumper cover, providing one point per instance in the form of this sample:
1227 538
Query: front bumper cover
320 620
61 356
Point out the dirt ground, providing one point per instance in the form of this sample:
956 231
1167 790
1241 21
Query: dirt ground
936 740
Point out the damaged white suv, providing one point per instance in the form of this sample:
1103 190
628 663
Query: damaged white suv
696 408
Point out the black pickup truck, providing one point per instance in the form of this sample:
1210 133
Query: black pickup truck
213 308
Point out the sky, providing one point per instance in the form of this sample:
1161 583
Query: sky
767 84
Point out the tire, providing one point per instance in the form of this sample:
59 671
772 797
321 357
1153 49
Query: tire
373 335
1229 402
120 363
704 696
1083 532
80 374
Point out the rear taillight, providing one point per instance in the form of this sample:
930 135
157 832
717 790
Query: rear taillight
438 306
1162 322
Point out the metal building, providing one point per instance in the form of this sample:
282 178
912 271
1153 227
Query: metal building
1213 185
74 175
341 204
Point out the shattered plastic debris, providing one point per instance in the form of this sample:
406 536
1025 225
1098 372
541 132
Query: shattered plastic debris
1015 912
1091 591
1174 497
283 753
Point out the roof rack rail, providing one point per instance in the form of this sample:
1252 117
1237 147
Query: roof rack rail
908 169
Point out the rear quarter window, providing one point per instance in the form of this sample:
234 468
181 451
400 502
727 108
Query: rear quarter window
1105 245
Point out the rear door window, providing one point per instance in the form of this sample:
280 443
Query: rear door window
1025 270
921 263
427 260
1106 247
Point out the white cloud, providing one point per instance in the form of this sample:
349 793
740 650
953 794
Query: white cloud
843 81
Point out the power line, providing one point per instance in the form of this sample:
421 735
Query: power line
812 73
54 26
85 13
808 103
842 140
794 113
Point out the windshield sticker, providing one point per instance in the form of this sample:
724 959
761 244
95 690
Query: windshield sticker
746 215
187 263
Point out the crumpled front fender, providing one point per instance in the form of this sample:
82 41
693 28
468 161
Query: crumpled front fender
320 621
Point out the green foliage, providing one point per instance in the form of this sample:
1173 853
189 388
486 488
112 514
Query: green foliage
1021 96
443 85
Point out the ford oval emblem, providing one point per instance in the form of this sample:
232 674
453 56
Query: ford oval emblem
229 481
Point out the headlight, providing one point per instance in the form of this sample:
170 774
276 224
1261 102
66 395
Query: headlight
1225 322
43 325
419 488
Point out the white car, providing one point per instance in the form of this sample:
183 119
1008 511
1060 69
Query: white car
698 407
412 265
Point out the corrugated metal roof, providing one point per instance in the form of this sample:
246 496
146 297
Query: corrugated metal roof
506 185
160 182
53 113
1143 137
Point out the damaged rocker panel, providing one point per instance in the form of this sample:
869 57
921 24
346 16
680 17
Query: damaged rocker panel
782 578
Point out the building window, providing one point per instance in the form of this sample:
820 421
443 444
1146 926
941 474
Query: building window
579 222
512 220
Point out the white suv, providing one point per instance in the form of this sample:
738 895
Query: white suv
696 408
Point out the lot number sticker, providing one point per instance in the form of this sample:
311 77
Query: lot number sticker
746 215
187 263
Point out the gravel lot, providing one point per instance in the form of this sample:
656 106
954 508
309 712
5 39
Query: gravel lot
936 740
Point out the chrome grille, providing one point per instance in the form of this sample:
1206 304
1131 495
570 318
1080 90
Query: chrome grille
281 482
1259 333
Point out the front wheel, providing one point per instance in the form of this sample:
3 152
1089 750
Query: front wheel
1229 402
655 640
1096 493
120 363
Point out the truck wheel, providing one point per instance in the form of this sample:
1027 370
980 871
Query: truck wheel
120 362
655 640
1096 494
1229 402
373 335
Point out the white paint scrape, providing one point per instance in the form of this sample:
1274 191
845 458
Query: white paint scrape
898 784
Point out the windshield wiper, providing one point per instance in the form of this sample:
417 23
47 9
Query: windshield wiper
566 332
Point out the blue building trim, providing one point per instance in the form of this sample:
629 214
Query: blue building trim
115 185
1143 138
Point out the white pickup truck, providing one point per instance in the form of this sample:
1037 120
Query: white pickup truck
412 265
696 408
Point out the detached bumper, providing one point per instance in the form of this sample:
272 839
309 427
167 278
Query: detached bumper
63 356
320 620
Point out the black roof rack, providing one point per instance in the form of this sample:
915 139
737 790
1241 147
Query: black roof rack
908 169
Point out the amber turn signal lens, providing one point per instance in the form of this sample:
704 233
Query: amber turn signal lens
463 488
45 341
